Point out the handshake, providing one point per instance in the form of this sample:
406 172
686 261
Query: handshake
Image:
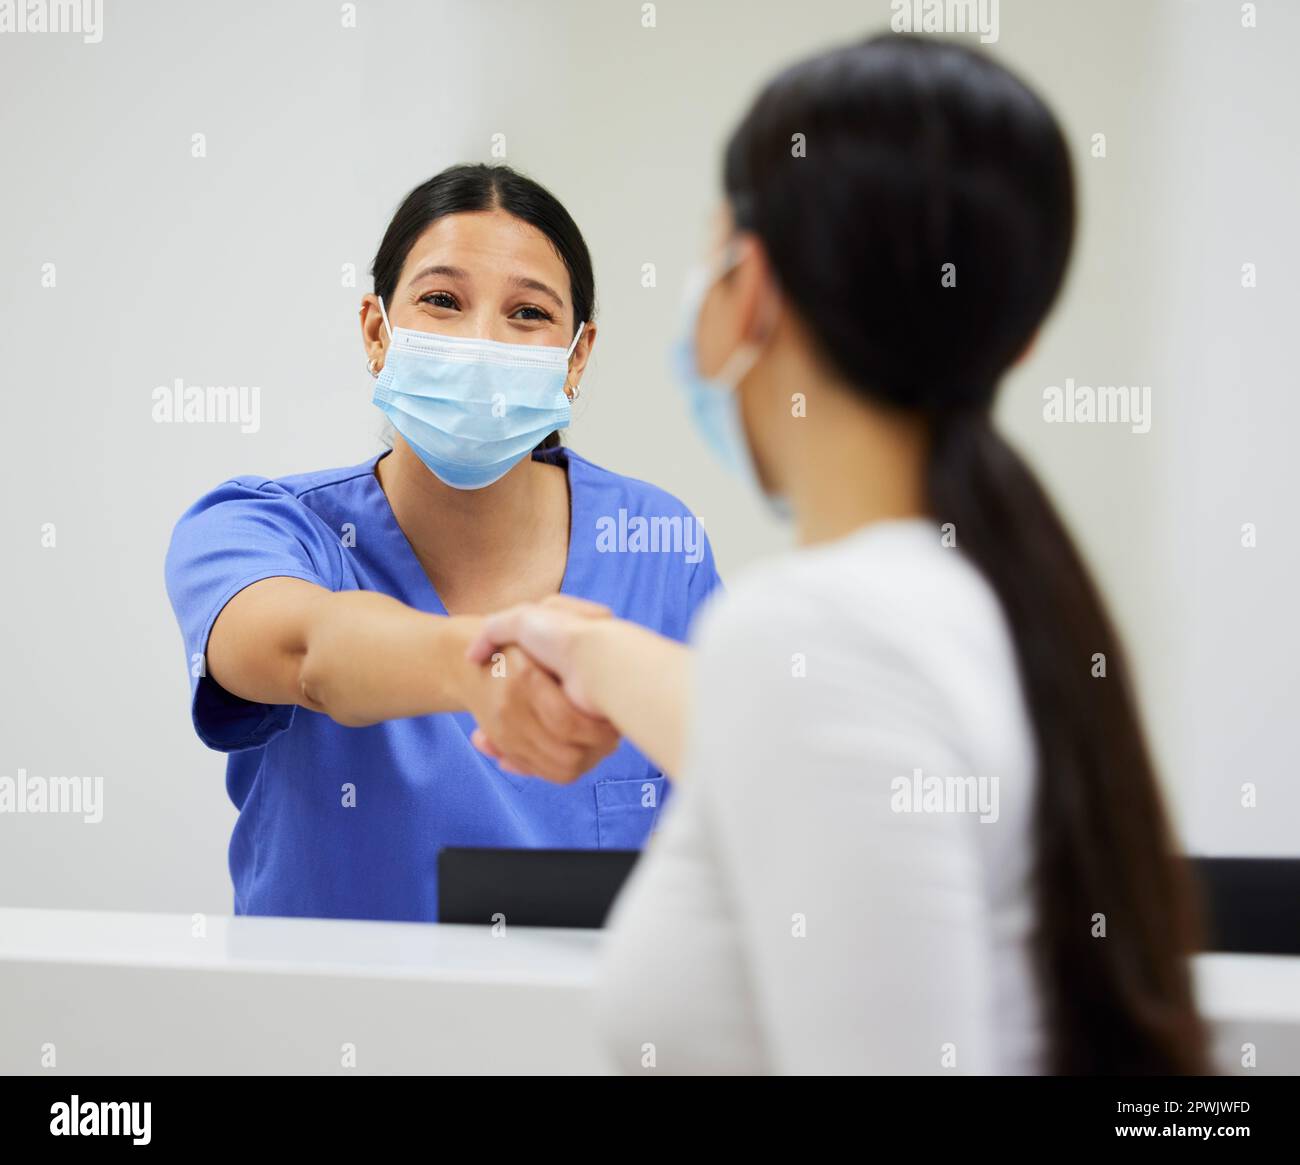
535 697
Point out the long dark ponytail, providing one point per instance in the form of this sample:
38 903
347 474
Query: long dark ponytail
916 202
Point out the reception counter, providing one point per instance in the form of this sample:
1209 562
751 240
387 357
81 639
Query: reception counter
90 993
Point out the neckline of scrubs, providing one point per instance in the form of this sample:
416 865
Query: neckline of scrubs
399 545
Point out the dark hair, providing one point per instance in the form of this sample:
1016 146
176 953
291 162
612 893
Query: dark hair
921 153
467 188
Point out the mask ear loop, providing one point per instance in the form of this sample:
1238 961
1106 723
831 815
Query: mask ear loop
371 365
738 364
568 355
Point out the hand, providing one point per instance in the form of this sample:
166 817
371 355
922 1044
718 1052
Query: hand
549 632
527 724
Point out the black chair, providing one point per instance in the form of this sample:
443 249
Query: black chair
1251 905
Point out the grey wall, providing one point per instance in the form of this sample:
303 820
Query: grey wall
226 270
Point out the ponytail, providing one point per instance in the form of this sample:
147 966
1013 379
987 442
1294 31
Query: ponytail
1118 1000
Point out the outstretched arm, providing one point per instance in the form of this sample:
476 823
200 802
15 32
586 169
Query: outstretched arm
360 657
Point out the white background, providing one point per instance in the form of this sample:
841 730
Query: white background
227 270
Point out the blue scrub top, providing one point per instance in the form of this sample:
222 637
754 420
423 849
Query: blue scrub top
304 844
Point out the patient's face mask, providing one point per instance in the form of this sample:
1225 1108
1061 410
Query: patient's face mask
472 409
714 400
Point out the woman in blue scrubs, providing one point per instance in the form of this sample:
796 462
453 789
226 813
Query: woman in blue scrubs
326 615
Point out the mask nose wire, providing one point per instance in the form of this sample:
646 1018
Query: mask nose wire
567 355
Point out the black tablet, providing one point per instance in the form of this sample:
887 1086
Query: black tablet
530 887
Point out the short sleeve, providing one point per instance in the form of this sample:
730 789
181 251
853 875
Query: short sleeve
241 532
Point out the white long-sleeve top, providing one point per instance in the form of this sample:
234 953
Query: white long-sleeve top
841 882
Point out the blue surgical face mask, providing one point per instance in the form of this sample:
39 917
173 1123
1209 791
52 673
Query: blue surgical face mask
714 401
472 409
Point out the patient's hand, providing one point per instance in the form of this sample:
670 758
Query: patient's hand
526 722
631 676
550 632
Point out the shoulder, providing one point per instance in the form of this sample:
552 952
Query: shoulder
888 606
661 549
871 657
247 522
287 491
299 485
874 575
633 494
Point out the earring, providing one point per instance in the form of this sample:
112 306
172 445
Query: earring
372 367
571 391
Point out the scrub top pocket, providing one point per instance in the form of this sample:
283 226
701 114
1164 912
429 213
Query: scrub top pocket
626 810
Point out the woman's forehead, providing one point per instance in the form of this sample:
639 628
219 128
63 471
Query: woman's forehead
483 243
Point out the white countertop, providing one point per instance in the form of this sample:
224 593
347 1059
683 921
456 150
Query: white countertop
1245 987
102 993
171 993
384 950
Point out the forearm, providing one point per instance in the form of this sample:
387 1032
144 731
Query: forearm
640 682
368 657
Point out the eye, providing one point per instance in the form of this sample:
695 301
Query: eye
536 314
443 299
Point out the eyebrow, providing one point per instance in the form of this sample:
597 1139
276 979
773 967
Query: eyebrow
537 285
440 269
461 273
